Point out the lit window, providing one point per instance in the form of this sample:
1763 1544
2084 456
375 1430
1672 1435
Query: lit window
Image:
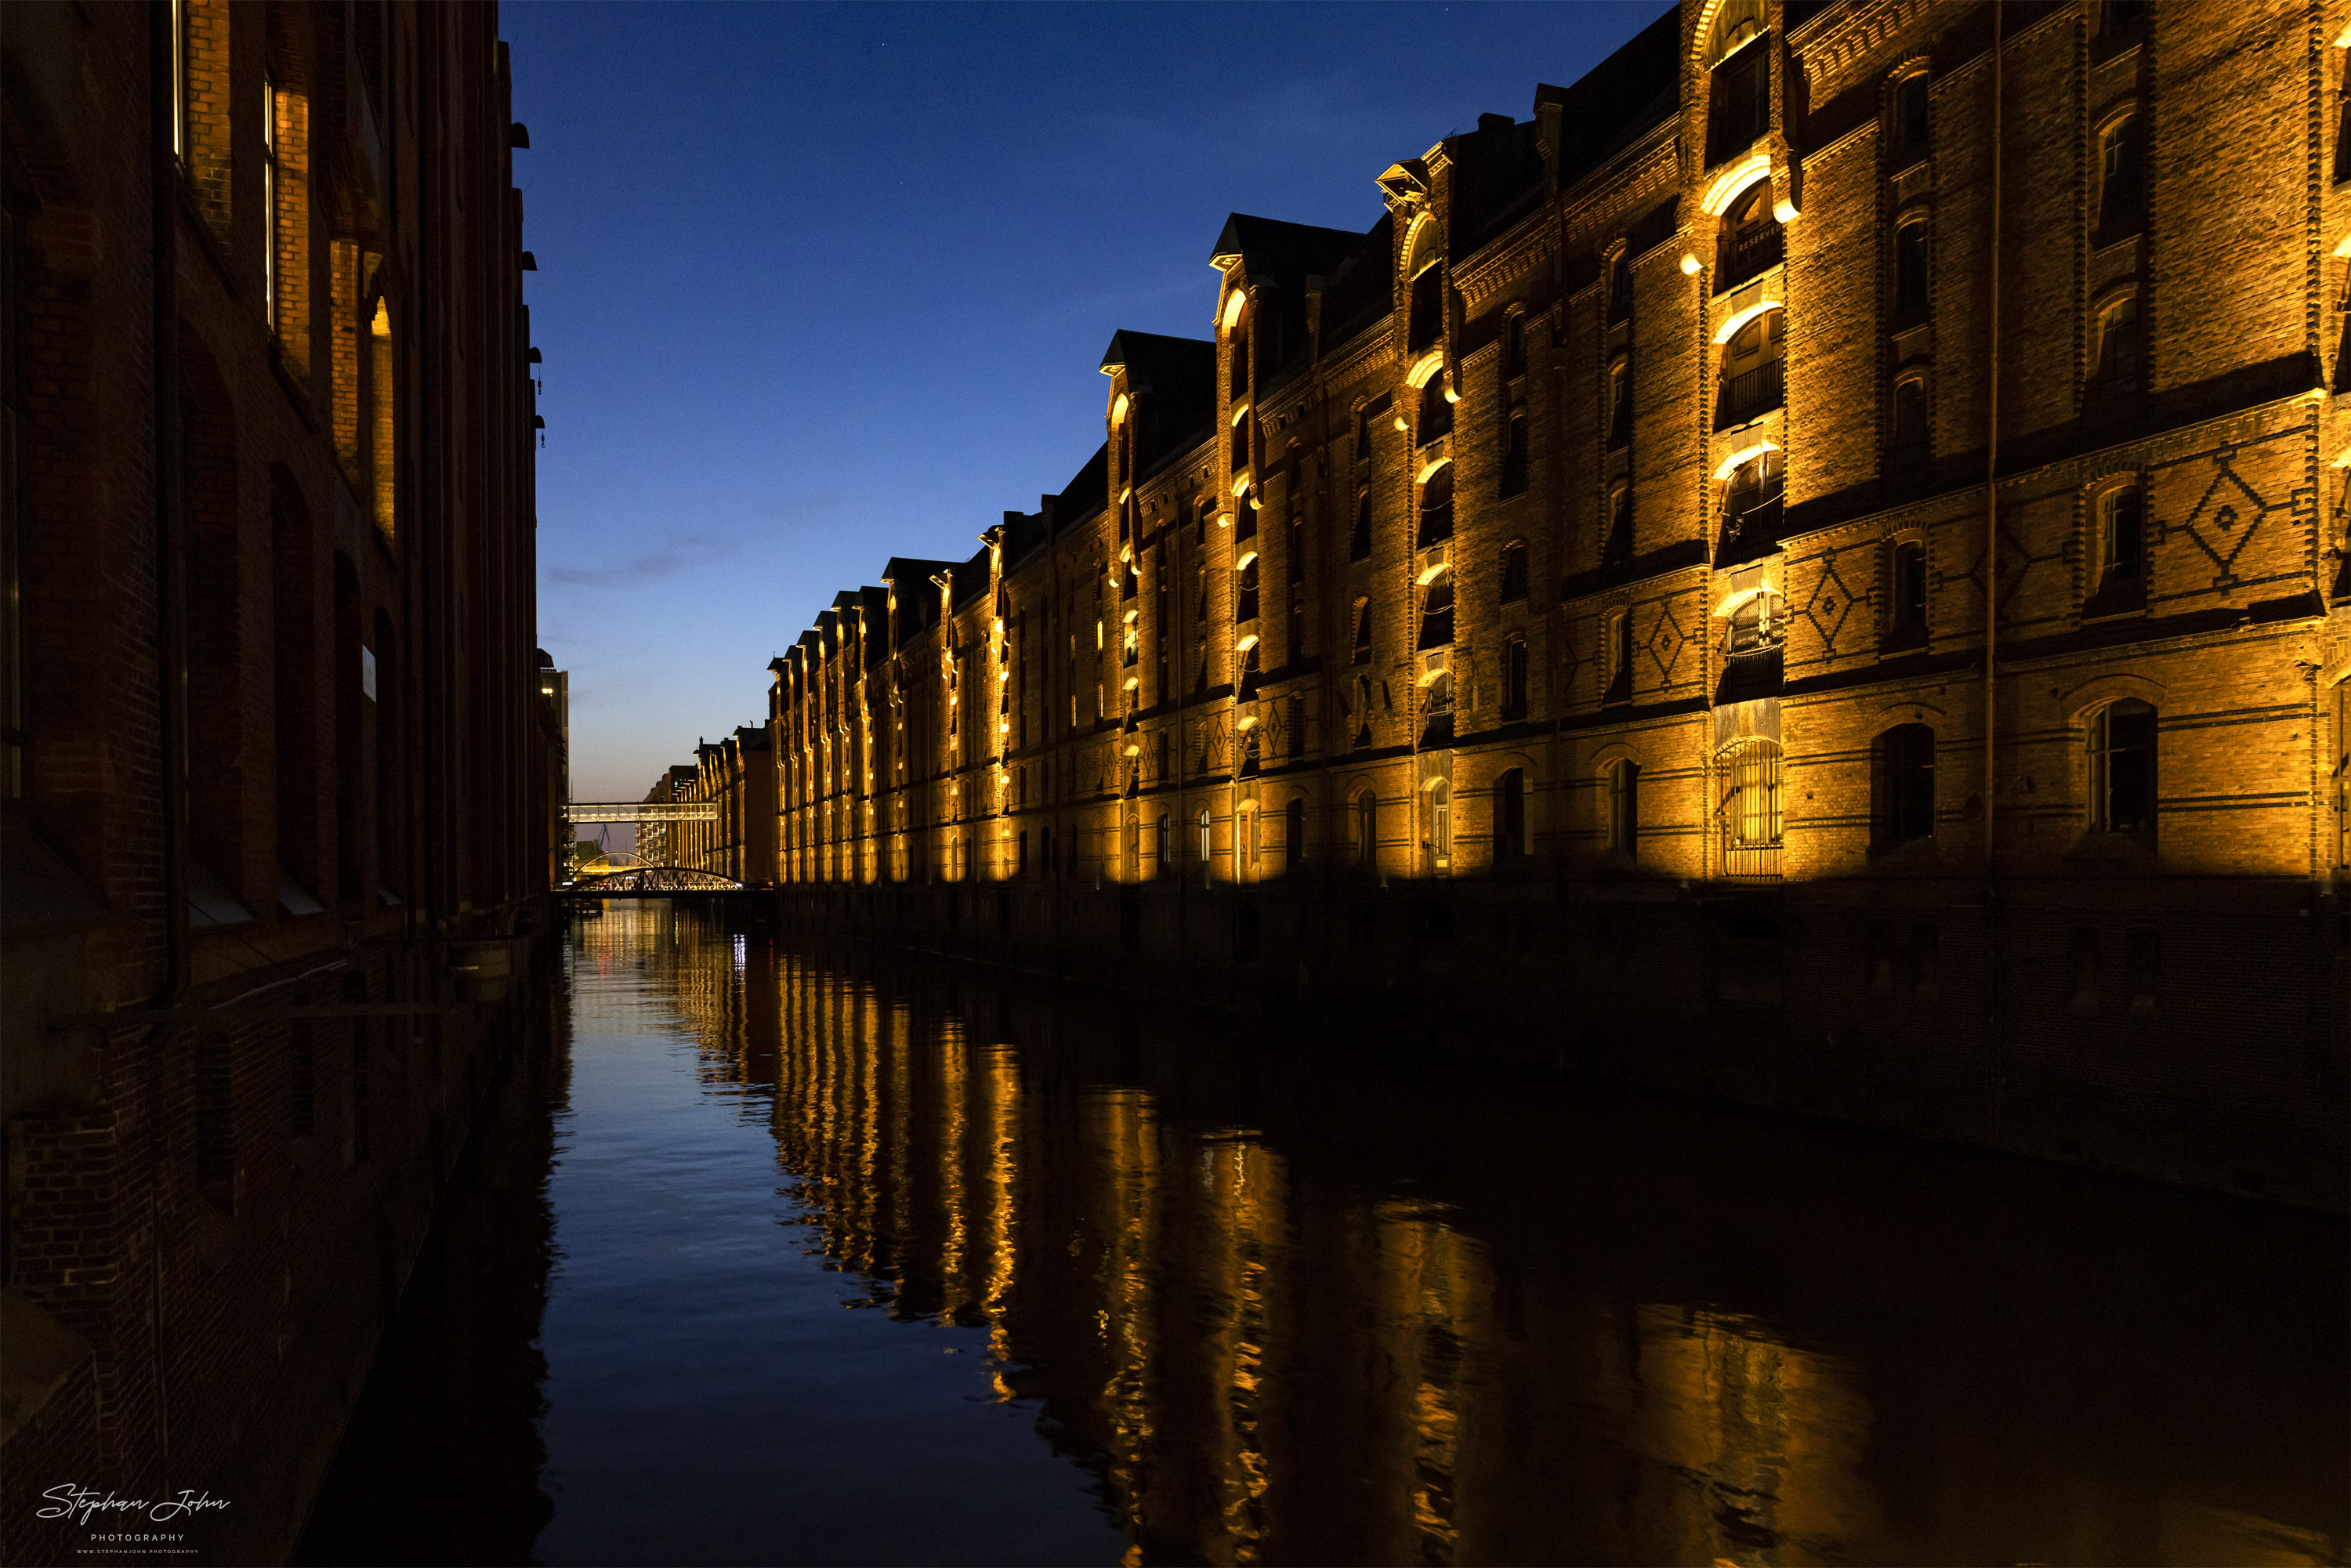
1440 821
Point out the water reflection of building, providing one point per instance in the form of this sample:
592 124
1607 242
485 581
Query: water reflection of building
1284 1316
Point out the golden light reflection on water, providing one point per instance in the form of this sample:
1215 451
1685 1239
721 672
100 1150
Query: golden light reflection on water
1269 1347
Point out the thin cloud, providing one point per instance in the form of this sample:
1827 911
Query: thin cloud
683 552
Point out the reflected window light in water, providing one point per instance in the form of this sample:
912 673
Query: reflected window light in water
1228 1294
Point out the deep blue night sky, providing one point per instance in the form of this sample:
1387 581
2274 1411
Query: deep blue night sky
821 285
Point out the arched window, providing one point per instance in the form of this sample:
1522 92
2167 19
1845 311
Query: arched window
1902 786
1514 345
1359 545
1435 410
1021 854
1515 678
1749 242
1362 632
1510 815
1440 821
1617 543
1620 287
1241 423
2123 769
1426 270
1905 617
1752 360
1363 710
1435 508
2120 369
1911 120
1163 844
1293 834
1750 812
1910 430
1751 500
1624 807
1367 827
2122 537
1435 611
1910 271
1620 401
1514 571
1741 85
1208 837
1245 589
1616 649
1239 384
2122 179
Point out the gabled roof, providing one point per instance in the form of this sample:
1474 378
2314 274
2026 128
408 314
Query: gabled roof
1086 493
1361 289
1613 102
1174 383
912 571
1276 251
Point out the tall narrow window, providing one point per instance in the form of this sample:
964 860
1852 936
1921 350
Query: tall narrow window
1906 622
1750 812
1750 501
1510 815
1428 324
1514 571
2120 363
1616 544
1293 834
384 420
1514 451
1749 242
1624 807
1752 363
1911 446
1514 345
269 202
1435 508
1620 287
1902 786
1362 632
2123 769
1435 410
1435 611
1741 93
1910 272
2122 537
1440 823
1367 827
2122 180
1240 366
1514 678
1617 650
1620 403
1208 837
1911 121
1359 544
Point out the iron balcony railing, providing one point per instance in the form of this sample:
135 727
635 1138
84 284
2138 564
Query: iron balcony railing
1751 392
1749 252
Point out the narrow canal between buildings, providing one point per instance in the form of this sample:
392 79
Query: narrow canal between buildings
783 1254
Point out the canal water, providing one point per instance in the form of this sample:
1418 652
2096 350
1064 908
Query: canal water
788 1254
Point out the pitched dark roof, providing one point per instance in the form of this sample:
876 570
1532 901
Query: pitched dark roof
1610 106
970 578
1361 290
1498 176
1278 258
1174 380
1086 493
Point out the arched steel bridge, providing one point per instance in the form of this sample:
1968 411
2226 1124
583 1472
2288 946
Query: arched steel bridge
623 875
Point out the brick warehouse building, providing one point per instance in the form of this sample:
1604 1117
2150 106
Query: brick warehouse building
276 753
1556 617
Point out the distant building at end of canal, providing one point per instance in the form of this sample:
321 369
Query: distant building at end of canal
1813 567
278 747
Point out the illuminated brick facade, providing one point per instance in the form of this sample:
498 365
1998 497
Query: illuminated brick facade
1564 605
278 754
